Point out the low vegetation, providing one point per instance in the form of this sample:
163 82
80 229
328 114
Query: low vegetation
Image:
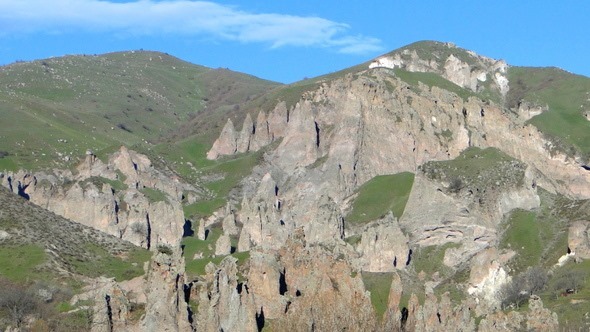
198 253
522 286
102 263
226 174
380 195
522 234
132 98
567 97
379 285
539 238
567 293
430 260
477 170
99 181
154 195
21 262
432 79
40 244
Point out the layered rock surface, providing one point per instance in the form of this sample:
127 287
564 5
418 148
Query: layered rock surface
354 128
307 265
87 196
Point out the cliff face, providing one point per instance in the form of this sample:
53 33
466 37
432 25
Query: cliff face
125 197
356 128
374 123
303 287
308 260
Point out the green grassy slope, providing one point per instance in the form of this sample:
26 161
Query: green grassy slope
42 246
380 195
568 98
63 106
40 251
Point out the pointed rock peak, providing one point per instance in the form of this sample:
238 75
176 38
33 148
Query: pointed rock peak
248 124
248 129
229 126
261 135
129 162
261 117
226 144
123 161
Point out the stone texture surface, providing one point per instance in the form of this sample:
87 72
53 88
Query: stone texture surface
88 198
579 239
290 212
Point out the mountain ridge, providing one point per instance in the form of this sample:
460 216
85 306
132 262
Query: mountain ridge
417 187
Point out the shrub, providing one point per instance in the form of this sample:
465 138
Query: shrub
164 249
17 303
139 229
569 279
456 185
523 286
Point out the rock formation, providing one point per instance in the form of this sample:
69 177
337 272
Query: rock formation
127 212
288 257
352 129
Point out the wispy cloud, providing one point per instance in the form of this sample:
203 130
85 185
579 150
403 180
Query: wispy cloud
190 18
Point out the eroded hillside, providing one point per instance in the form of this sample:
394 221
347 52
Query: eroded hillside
426 189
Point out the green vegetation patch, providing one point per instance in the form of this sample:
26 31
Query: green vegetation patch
432 79
102 263
380 195
186 156
477 168
433 50
98 182
206 250
192 245
379 284
430 259
570 308
228 172
154 195
522 235
18 263
554 216
8 164
567 96
540 237
197 267
75 103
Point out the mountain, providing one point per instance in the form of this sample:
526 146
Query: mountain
430 188
79 103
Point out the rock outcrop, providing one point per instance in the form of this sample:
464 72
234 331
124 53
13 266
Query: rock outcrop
464 68
166 306
537 318
579 239
383 246
125 197
360 126
225 304
226 144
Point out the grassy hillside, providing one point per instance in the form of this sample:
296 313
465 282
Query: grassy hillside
380 195
476 169
53 110
566 95
39 245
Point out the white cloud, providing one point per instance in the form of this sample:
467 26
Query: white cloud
191 18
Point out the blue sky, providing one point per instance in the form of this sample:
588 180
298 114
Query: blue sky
287 40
